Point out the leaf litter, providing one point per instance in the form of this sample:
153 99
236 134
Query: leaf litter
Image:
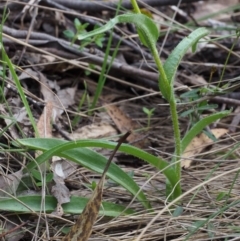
194 71
198 144
125 123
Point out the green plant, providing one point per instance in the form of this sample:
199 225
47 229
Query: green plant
86 157
106 65
195 112
77 151
83 99
149 113
11 67
148 34
88 71
81 28
37 175
194 95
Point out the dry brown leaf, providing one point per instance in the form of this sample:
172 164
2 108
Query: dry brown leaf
93 131
66 96
58 210
67 167
195 79
59 190
10 182
198 144
44 124
21 116
61 193
28 73
61 170
44 127
124 124
63 99
11 231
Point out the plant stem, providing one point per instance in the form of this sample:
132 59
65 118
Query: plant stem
168 93
173 109
148 122
177 136
135 6
157 60
163 76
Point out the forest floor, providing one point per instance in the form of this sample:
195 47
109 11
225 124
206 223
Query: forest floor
61 77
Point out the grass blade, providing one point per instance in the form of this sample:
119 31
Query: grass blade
45 144
85 157
32 203
19 88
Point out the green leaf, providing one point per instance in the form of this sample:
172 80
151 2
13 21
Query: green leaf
186 113
83 27
211 230
99 41
145 110
19 87
46 143
37 175
206 107
221 196
192 94
69 34
88 72
173 61
33 203
210 135
199 126
77 23
85 157
196 225
178 211
147 29
198 109
194 47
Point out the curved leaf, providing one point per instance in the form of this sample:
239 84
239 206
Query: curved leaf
171 64
47 143
86 158
32 203
200 125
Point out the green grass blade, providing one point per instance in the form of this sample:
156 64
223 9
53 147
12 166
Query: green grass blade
32 203
104 69
199 126
102 76
85 157
173 61
19 88
45 144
